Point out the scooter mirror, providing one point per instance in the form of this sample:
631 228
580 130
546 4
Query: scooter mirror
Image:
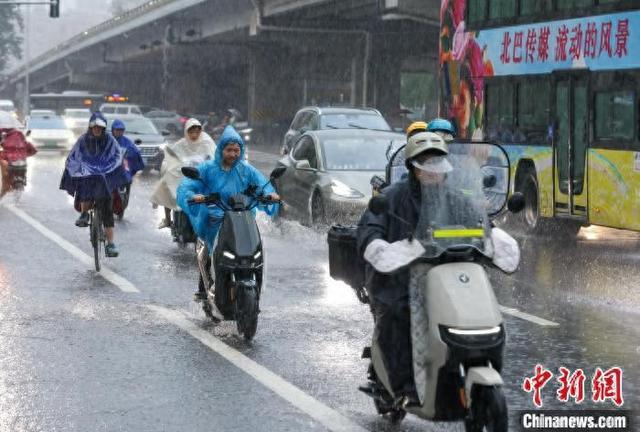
378 205
489 181
277 172
516 202
190 172
28 133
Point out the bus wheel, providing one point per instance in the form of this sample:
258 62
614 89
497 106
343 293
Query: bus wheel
531 212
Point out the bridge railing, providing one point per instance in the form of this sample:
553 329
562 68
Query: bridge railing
127 16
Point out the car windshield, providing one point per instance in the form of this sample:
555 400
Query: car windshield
79 113
356 154
457 200
353 121
46 122
6 108
138 126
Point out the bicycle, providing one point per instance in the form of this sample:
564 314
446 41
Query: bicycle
97 235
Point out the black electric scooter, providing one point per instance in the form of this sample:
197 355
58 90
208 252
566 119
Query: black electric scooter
231 275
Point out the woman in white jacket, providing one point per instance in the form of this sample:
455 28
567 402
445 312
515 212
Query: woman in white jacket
196 147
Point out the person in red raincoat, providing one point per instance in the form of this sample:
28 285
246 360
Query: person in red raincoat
14 147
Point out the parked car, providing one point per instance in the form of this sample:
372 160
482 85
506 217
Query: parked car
317 118
145 135
167 120
50 132
77 120
329 171
120 109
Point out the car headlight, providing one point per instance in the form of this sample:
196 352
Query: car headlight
341 189
257 255
228 255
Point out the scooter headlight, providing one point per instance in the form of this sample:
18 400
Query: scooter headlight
478 338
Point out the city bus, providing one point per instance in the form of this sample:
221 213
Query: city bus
58 102
557 84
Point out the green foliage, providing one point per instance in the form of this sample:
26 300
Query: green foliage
11 26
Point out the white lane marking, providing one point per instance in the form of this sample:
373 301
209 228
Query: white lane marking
315 409
528 317
123 284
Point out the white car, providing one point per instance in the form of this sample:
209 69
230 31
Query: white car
50 132
77 119
7 105
120 109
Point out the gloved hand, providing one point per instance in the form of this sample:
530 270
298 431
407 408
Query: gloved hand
506 252
388 257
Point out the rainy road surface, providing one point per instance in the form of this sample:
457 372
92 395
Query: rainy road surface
129 350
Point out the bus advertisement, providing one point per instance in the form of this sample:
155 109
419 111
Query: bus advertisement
557 84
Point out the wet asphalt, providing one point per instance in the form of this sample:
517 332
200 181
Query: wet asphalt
79 354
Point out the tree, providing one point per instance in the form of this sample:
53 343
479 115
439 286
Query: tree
10 41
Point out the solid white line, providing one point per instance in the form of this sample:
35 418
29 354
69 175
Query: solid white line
106 273
528 317
315 409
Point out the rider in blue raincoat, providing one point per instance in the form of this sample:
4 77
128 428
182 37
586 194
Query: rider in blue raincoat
93 171
228 175
134 162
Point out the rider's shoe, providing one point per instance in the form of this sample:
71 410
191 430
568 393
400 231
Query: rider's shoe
164 223
111 250
83 220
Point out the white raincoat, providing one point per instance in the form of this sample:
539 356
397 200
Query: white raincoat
177 155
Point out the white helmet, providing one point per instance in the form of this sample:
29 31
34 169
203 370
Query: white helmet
423 141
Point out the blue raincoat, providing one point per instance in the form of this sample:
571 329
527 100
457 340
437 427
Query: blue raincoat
93 169
131 152
206 220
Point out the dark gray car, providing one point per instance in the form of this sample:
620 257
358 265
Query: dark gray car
329 171
317 118
146 137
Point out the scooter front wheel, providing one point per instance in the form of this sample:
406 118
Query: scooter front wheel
247 313
489 410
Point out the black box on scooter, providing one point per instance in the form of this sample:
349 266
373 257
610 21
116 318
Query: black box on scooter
345 263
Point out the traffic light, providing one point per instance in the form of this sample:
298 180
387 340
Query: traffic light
54 9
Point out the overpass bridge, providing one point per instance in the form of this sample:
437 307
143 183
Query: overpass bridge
264 57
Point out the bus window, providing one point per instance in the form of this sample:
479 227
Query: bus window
532 117
614 115
477 11
535 7
502 9
499 107
575 4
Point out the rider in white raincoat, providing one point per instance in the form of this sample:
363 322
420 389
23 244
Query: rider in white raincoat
195 148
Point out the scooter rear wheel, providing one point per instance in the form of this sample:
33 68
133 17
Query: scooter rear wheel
489 410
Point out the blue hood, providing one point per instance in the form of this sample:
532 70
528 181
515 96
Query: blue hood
229 135
117 124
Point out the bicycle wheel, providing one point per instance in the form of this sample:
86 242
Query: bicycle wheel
96 236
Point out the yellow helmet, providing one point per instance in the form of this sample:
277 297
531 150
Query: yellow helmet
415 127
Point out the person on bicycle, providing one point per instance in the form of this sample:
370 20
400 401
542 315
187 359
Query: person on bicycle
228 174
196 147
93 171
